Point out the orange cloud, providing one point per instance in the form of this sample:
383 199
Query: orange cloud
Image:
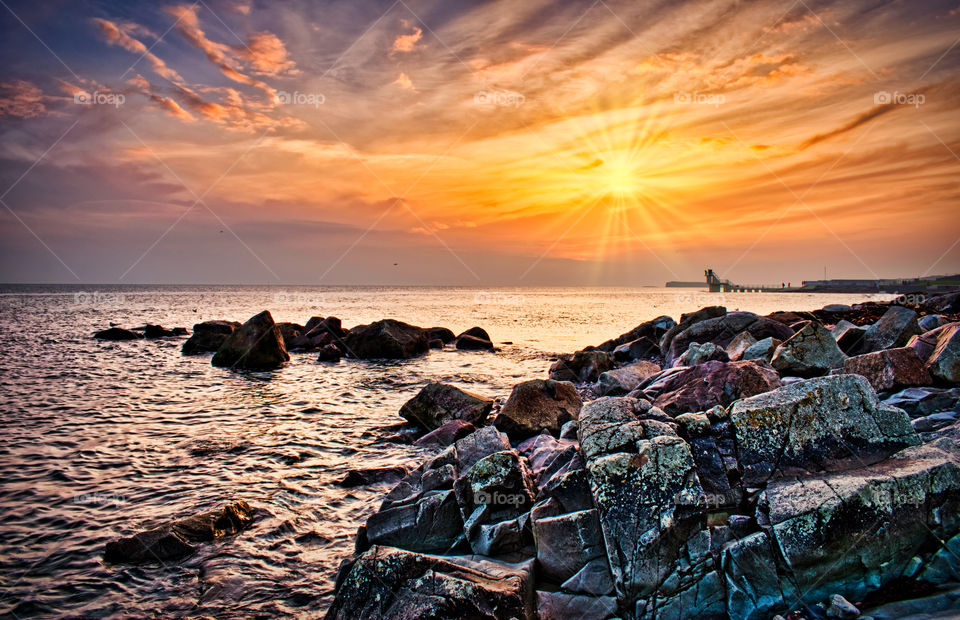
116 34
404 81
267 55
407 42
21 99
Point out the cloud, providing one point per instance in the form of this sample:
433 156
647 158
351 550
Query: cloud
188 24
404 81
117 34
863 119
21 99
267 55
407 42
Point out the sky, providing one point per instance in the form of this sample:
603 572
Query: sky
594 142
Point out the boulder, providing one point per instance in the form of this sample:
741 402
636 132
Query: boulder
117 334
889 369
446 434
931 321
442 334
567 543
688 319
721 331
816 425
476 332
329 353
498 487
372 475
537 405
944 362
650 331
158 331
811 352
393 583
700 353
645 489
893 330
290 332
762 350
316 334
856 531
621 380
922 401
849 337
563 606
713 383
472 343
386 339
208 337
739 345
177 539
582 366
255 345
436 343
439 403
636 350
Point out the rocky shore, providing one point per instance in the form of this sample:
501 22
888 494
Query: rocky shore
726 465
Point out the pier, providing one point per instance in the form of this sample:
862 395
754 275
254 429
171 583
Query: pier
716 285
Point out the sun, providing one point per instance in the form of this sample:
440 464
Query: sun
618 177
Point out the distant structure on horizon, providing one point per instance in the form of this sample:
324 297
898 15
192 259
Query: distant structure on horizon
926 284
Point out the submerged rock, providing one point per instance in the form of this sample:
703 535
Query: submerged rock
537 405
208 337
439 403
386 339
372 475
474 339
117 334
255 345
177 540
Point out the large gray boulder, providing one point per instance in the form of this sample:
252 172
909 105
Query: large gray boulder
255 345
853 532
699 353
538 405
386 339
402 585
894 329
815 425
811 352
439 403
208 337
645 488
567 543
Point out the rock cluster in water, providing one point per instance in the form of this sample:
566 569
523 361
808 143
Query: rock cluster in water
726 465
262 344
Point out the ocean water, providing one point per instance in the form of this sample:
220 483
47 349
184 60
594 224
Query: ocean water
102 440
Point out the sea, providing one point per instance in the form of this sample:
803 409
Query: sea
100 440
